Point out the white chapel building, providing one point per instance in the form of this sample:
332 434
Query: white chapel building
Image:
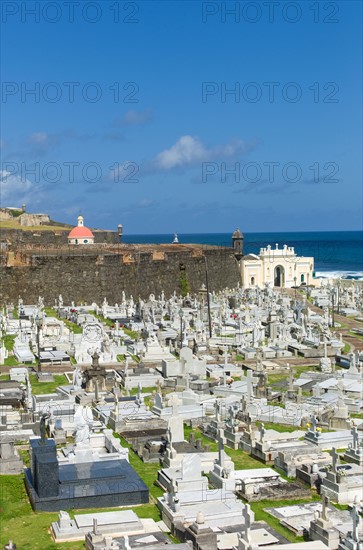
279 267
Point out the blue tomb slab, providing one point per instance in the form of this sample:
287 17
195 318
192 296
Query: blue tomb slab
106 483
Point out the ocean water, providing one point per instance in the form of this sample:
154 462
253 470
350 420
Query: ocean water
336 253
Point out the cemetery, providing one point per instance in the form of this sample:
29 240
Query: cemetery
220 423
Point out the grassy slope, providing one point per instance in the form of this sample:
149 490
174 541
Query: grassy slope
14 224
29 529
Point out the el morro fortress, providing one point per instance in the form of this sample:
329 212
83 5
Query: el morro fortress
39 261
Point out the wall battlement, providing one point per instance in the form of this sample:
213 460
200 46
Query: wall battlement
85 274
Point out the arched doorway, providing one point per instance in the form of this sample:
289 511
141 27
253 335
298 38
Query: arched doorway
252 281
279 276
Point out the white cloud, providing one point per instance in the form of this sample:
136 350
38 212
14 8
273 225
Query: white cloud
146 203
137 117
134 118
39 137
190 150
13 187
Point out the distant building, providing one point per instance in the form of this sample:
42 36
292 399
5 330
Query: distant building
279 267
81 234
237 243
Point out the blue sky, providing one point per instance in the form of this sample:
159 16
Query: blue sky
149 134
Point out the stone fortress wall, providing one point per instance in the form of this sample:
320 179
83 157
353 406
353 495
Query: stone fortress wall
86 274
15 238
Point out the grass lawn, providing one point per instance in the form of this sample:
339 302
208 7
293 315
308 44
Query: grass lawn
213 445
50 312
278 427
11 361
15 224
279 379
25 456
355 335
29 529
73 327
9 341
46 387
132 333
241 459
135 391
9 345
103 319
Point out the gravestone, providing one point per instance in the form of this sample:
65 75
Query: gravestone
354 453
10 461
176 427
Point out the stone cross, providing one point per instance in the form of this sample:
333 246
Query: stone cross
335 458
173 494
221 441
314 422
169 433
218 410
116 407
249 386
291 379
247 517
224 377
354 433
324 514
262 432
43 428
225 356
356 521
231 416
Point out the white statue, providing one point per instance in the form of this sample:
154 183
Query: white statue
106 344
77 377
83 421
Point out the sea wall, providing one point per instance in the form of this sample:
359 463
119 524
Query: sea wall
84 278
